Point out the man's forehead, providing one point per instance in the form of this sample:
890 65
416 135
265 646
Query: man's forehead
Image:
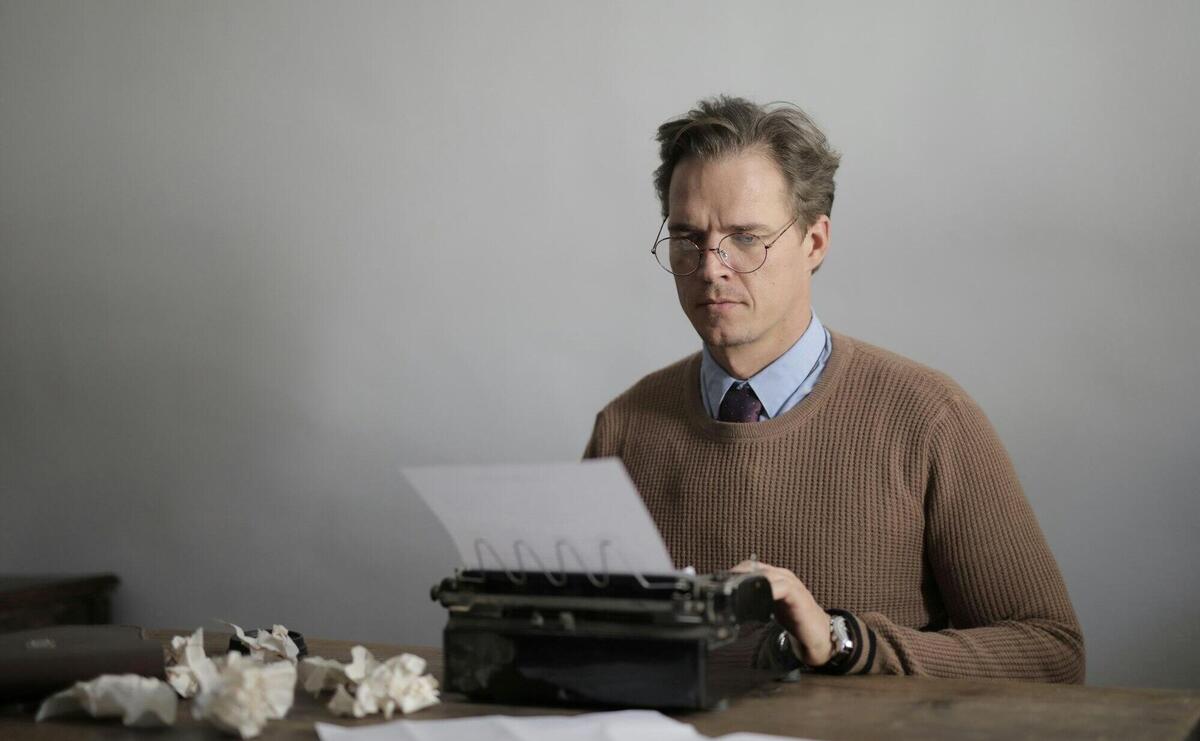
685 225
741 192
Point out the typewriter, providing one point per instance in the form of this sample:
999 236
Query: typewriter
628 640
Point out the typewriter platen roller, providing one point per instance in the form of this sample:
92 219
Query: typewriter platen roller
672 641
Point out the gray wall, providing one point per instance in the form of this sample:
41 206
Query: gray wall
256 256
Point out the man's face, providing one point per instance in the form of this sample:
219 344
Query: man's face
754 317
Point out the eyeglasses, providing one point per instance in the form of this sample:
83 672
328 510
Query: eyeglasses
741 252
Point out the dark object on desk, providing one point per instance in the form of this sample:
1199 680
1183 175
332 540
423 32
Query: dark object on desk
36 601
624 640
235 643
36 663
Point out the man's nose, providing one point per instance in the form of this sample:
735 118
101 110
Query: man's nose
712 266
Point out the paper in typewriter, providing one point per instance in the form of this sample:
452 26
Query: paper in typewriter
575 517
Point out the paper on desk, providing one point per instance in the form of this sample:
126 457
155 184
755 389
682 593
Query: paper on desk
626 725
189 670
366 686
137 700
529 513
246 694
268 646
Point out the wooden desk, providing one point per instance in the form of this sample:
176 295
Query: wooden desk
816 707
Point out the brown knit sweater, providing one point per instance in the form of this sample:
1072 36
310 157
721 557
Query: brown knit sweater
886 491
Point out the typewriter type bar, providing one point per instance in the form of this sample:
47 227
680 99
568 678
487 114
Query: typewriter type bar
670 641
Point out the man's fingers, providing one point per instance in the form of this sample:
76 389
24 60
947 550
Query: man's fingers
780 584
747 566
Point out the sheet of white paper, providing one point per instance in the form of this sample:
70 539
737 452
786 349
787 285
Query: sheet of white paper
524 511
622 725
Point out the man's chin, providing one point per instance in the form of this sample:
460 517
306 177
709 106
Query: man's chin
720 337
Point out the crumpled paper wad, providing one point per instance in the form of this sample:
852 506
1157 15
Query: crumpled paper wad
137 700
245 694
318 674
366 686
275 645
236 693
189 670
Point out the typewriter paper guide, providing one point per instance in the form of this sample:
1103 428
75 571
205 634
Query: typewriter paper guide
552 511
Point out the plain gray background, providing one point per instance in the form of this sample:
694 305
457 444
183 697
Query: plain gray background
257 256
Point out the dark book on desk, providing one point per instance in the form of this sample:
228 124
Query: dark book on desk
36 663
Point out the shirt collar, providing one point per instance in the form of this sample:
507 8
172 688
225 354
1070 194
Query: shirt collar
773 385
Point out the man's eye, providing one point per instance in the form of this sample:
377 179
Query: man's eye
743 240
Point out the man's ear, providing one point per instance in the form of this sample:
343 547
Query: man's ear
818 243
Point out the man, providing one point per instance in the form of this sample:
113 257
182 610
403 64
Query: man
872 491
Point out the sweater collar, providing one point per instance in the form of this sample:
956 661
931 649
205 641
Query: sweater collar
842 350
773 385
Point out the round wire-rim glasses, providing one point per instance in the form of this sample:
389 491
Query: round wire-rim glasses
741 252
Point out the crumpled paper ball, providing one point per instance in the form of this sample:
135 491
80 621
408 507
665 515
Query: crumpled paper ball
275 645
189 669
246 694
137 700
366 686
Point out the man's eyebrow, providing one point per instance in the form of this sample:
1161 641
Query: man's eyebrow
748 228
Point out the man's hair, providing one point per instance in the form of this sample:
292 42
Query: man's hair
722 126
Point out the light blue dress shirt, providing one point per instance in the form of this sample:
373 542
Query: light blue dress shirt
781 385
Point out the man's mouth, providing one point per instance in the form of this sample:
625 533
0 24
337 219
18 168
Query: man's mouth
717 305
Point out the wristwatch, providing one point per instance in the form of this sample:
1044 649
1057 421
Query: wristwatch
839 636
843 644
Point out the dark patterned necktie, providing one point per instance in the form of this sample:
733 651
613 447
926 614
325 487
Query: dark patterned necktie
740 404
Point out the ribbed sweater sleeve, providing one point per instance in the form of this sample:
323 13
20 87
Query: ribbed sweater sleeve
1006 602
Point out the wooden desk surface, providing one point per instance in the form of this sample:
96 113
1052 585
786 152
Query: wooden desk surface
815 707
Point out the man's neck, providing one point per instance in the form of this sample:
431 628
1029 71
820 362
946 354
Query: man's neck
744 361
736 364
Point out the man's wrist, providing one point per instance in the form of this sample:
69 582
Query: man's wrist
838 653
817 652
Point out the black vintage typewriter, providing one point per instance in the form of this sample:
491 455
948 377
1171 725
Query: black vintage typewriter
626 640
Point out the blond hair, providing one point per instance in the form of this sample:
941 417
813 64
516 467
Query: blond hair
724 125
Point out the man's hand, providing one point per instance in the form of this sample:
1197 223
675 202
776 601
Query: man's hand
796 611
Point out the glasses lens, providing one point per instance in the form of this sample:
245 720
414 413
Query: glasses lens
745 253
677 255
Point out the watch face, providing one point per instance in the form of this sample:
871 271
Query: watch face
842 645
